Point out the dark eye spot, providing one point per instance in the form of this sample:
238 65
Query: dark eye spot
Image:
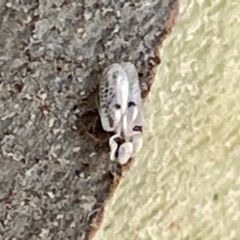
138 129
130 104
117 106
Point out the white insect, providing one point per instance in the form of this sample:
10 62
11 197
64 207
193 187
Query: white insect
120 109
114 90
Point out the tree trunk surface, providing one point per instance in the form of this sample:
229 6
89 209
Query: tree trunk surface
55 172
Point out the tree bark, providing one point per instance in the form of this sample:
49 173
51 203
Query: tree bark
55 173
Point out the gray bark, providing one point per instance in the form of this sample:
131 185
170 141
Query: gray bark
55 173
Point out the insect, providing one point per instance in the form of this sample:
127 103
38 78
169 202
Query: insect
120 109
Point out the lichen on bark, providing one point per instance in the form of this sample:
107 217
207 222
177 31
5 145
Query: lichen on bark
55 173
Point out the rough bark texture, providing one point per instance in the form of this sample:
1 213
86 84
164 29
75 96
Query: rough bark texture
55 174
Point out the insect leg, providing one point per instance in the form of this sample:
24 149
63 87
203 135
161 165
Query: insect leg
113 146
132 113
125 152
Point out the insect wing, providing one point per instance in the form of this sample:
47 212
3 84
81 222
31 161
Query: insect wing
114 88
134 86
106 98
134 112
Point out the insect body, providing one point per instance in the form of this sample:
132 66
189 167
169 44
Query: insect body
120 109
